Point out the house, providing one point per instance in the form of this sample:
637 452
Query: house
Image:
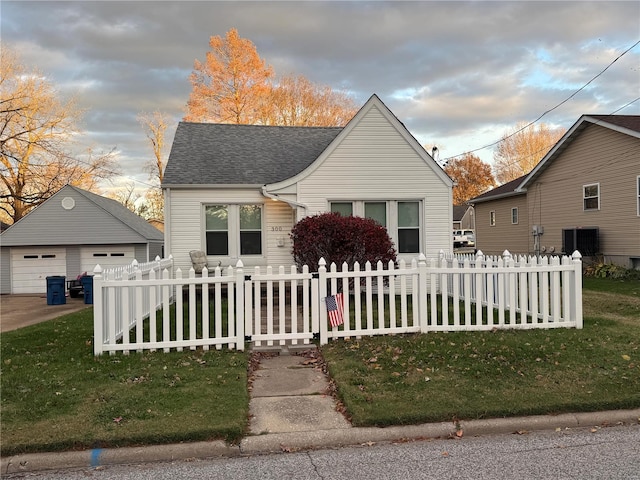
69 234
236 191
583 195
463 217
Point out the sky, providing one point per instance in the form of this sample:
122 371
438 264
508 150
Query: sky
459 75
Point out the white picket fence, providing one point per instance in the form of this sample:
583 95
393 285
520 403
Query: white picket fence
163 310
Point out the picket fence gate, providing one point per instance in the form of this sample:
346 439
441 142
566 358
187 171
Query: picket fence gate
152 307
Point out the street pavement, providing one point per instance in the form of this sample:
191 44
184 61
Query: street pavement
292 410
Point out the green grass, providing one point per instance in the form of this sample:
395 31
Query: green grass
411 379
57 396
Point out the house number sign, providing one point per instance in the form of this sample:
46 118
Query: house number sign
277 229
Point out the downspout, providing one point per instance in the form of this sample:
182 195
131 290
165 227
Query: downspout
275 196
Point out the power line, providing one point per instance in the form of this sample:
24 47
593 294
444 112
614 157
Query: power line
552 109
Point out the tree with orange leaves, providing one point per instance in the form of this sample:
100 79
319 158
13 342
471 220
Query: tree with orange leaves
231 85
472 176
36 134
234 85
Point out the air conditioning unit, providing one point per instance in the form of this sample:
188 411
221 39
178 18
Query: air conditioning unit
583 239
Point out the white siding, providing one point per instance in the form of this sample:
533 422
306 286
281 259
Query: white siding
375 162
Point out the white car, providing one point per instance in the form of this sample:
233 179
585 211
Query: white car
464 238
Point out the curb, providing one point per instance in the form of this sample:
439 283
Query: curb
295 441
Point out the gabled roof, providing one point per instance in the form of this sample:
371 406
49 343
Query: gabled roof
38 226
508 189
134 221
228 154
627 124
459 211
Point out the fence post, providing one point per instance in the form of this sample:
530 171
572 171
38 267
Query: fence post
322 294
577 290
98 319
240 305
423 293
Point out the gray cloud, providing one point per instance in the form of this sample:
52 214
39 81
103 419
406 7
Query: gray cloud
458 74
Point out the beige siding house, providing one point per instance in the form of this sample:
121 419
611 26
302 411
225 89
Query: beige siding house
584 194
236 191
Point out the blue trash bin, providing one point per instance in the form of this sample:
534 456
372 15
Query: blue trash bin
56 290
87 288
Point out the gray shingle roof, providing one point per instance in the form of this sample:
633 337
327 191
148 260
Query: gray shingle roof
229 154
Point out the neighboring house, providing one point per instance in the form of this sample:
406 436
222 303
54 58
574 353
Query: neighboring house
235 191
583 195
69 234
463 217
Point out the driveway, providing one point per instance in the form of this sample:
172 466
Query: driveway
17 311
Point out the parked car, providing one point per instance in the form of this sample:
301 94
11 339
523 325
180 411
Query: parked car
464 238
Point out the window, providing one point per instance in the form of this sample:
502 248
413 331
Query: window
492 218
591 196
514 215
233 230
402 219
250 230
343 208
217 229
638 192
376 211
408 227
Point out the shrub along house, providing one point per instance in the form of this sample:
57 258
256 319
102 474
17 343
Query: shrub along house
235 191
583 195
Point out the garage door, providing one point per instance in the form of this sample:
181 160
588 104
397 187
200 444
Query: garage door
108 256
30 268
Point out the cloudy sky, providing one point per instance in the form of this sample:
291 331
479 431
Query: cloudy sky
458 74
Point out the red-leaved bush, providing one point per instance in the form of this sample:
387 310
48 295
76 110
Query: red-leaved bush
340 239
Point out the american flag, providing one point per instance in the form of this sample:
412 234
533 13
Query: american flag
334 309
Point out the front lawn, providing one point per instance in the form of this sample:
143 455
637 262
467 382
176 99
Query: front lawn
57 396
471 375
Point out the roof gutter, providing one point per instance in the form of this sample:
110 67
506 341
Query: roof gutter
277 198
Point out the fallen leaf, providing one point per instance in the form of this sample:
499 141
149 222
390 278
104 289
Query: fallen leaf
626 357
117 420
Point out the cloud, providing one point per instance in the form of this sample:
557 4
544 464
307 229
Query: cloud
458 74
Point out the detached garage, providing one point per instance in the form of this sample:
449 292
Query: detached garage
69 234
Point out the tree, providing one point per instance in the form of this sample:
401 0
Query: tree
340 239
296 101
36 130
472 176
231 85
235 85
155 126
522 148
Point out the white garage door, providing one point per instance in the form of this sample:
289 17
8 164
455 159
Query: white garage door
30 268
108 256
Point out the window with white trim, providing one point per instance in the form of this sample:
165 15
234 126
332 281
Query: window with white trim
591 196
638 192
492 218
402 219
233 230
514 216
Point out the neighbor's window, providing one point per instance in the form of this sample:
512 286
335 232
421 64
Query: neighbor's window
343 208
514 215
638 192
492 218
376 211
217 229
408 227
591 196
